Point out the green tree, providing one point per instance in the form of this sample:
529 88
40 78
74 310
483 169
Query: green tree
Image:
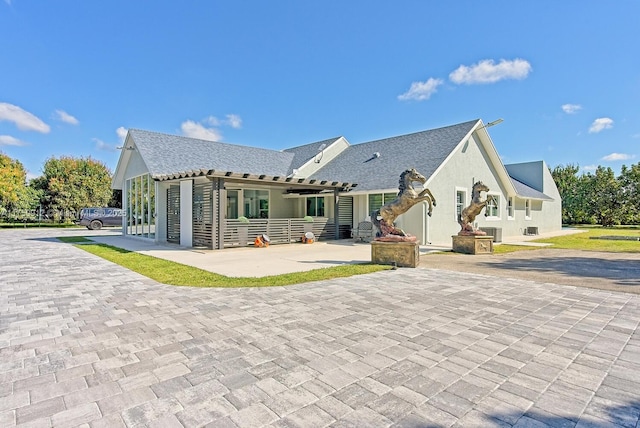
630 188
572 191
14 194
605 198
69 184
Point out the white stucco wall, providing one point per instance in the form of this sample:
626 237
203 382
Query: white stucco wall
279 206
135 166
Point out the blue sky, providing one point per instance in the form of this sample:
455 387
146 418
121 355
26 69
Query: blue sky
564 75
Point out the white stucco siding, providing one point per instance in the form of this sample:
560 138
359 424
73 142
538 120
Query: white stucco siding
545 215
279 207
552 218
468 164
135 166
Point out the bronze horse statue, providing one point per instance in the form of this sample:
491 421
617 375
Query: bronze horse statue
407 197
468 215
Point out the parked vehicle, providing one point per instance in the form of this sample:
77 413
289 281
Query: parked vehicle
95 218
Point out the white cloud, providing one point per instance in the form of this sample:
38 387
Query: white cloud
571 108
122 133
232 120
66 117
600 124
590 167
22 119
487 71
421 91
617 157
197 130
101 145
7 140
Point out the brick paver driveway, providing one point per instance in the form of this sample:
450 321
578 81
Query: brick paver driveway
86 342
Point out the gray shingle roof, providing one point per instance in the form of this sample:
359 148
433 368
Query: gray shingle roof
169 154
525 191
424 150
303 154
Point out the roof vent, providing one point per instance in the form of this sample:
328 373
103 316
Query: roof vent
320 154
376 155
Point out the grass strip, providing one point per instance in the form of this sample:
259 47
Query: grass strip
73 239
172 273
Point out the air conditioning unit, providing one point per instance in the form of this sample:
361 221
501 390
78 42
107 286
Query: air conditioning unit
496 232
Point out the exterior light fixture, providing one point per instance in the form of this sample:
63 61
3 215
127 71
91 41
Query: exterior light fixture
495 122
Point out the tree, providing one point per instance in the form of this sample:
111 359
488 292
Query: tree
14 194
630 189
604 196
69 184
572 191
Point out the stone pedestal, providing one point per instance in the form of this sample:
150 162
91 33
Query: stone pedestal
473 244
404 254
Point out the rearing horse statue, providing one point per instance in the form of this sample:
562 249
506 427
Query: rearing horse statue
407 197
468 215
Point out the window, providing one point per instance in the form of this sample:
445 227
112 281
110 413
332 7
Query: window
140 206
510 208
527 209
232 204
376 200
493 206
315 206
461 200
256 203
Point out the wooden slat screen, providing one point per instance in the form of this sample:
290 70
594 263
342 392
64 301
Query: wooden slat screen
279 230
202 215
173 214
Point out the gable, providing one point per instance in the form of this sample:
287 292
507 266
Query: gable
306 153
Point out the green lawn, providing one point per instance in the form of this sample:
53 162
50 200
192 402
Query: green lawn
172 273
584 240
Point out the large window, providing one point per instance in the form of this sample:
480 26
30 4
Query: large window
376 200
315 206
232 204
461 200
256 203
140 206
493 205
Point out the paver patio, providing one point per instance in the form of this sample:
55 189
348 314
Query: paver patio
84 342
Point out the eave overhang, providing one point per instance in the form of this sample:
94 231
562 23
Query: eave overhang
263 179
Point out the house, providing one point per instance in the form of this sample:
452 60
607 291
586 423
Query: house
208 194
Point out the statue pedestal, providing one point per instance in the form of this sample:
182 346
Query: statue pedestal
473 244
404 254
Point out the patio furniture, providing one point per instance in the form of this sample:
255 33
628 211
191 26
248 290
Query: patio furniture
364 231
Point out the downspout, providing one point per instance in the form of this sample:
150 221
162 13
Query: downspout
425 228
